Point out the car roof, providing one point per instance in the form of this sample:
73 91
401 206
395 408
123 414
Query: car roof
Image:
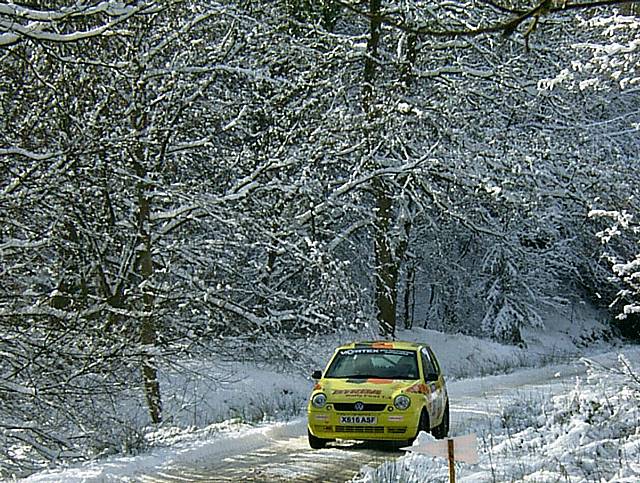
384 344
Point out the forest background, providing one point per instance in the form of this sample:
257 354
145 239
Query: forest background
186 178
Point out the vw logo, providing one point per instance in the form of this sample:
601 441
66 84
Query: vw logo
358 406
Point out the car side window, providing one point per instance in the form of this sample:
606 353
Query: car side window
434 360
427 365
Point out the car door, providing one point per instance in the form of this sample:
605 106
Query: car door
435 382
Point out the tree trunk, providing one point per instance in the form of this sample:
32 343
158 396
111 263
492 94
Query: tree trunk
386 269
148 335
375 29
410 295
389 248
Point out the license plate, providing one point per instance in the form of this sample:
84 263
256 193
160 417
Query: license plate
358 419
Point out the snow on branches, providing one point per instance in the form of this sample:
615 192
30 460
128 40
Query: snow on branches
627 271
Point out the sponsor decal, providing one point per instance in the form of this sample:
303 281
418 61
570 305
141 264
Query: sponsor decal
395 419
372 350
358 392
321 417
418 389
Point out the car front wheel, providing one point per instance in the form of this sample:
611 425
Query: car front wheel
423 425
442 430
315 442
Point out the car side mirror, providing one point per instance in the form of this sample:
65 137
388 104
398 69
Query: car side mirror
432 377
316 375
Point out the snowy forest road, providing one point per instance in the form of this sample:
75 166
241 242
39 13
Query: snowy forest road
282 454
286 457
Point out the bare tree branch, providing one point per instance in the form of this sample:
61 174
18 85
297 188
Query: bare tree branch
505 26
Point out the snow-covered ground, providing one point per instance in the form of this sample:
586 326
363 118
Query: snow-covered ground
243 405
585 430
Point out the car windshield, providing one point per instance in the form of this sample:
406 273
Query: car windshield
374 363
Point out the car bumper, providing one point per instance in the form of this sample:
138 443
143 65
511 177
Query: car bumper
392 426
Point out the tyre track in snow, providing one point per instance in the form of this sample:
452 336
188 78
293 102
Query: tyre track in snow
288 459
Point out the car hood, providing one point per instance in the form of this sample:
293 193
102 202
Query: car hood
363 389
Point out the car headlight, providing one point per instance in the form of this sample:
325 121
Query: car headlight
319 400
402 402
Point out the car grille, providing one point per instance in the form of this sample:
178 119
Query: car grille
359 429
367 407
398 430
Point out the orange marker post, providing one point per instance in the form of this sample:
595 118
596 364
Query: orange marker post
461 448
452 461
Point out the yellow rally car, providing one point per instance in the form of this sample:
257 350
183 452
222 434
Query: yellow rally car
378 391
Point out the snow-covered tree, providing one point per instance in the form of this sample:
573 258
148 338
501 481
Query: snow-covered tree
627 272
148 204
607 70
